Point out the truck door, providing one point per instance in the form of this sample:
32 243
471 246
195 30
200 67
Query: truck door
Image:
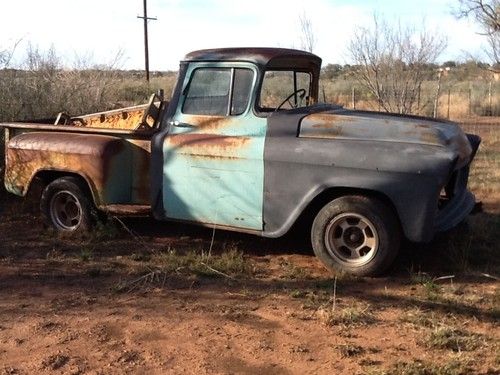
213 168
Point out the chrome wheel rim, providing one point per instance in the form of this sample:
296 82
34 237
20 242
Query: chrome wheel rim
352 239
65 210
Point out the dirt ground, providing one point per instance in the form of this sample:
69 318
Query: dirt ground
102 305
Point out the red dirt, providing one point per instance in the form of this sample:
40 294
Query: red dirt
61 314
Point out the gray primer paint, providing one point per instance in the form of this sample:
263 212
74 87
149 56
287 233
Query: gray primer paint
410 174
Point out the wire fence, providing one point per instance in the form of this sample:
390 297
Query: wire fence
454 100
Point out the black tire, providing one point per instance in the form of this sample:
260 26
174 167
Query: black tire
357 235
66 206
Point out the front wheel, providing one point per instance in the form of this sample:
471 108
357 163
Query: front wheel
66 206
356 234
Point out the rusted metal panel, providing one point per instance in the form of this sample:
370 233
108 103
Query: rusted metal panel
260 56
117 170
140 117
110 150
343 125
377 127
140 171
130 119
18 128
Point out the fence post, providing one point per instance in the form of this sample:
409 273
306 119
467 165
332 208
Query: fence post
490 111
448 112
418 97
470 99
353 97
436 99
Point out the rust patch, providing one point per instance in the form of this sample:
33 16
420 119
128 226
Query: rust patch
330 118
422 126
208 145
89 156
427 136
332 130
210 124
141 165
117 120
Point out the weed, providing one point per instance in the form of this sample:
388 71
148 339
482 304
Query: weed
55 362
420 318
453 367
228 264
350 316
54 254
419 277
105 230
454 339
350 350
294 272
86 253
231 262
298 294
140 257
432 290
94 272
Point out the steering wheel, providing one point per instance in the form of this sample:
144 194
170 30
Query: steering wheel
300 92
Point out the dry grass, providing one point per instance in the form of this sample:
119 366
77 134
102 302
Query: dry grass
355 315
457 340
418 367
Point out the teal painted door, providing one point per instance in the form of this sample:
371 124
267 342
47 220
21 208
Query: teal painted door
213 154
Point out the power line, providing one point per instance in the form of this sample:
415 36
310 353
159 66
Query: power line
146 44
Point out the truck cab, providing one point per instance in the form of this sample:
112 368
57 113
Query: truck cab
211 146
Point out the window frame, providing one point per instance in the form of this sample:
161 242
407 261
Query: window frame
266 111
232 68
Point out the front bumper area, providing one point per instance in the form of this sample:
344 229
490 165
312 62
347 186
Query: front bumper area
459 201
455 211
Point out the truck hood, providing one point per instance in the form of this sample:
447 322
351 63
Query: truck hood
343 124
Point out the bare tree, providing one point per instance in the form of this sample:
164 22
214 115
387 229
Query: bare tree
307 38
487 15
6 54
392 62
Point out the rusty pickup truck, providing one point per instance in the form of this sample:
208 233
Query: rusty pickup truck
244 145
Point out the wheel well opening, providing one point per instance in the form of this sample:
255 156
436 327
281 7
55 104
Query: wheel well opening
43 178
307 216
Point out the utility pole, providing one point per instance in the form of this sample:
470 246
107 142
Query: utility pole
146 46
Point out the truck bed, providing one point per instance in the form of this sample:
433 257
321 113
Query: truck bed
109 150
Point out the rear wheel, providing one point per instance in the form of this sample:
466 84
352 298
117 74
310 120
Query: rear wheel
356 234
66 206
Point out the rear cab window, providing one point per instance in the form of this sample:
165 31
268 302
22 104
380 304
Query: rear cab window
284 89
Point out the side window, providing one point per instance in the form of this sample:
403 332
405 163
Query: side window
210 91
278 85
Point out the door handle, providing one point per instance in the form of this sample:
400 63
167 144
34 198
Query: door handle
180 124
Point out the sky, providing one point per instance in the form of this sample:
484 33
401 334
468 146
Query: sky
98 30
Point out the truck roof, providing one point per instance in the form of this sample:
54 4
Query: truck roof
263 56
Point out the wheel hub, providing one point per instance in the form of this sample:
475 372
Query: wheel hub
351 238
65 210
